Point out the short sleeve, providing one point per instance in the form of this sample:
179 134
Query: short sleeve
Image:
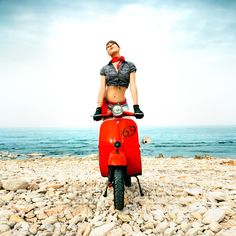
132 67
102 71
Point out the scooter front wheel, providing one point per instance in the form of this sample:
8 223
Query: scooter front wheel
118 188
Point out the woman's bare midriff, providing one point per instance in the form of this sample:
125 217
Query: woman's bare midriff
115 94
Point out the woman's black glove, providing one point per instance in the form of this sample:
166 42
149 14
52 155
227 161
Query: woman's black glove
137 112
98 114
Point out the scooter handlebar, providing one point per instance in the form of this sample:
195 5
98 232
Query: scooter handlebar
110 115
125 113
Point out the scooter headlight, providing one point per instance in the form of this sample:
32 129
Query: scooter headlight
117 110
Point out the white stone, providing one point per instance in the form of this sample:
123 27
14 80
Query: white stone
215 227
40 204
8 233
209 233
162 226
47 227
169 232
7 197
72 227
33 229
50 220
213 215
102 230
172 224
139 220
14 184
232 192
228 232
4 228
139 234
192 232
180 217
71 196
193 191
115 232
218 196
228 211
57 229
148 225
180 233
83 229
147 217
37 199
197 224
185 226
76 219
198 207
22 226
126 227
5 213
41 215
124 217
158 214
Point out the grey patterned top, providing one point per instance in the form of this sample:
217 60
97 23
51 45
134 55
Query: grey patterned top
120 78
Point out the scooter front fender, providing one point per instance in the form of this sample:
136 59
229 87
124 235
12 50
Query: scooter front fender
117 158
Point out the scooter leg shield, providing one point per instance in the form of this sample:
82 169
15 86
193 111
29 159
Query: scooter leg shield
126 132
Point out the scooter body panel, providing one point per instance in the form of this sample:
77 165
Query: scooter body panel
125 131
117 158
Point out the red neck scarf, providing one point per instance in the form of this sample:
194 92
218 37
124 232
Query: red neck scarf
119 60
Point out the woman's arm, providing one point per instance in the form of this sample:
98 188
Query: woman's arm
101 91
134 92
133 88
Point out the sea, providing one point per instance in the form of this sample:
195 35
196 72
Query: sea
217 141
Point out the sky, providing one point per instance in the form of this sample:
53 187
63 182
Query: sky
51 53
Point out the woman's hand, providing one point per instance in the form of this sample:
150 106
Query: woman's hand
137 112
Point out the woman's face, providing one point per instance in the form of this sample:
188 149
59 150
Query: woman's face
112 49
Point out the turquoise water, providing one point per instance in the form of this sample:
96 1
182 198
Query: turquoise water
219 141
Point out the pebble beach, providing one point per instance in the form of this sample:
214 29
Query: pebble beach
64 196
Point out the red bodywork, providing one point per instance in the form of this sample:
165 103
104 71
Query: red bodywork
125 131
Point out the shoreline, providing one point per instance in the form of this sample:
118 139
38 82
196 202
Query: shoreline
63 196
6 155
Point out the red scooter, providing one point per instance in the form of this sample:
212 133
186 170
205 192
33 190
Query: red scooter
119 152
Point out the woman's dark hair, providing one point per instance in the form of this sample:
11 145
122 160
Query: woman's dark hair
112 41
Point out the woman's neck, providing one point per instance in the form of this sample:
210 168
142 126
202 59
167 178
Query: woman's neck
115 55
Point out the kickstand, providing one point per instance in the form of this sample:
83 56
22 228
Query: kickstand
140 189
108 185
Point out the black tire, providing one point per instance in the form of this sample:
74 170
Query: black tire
118 188
128 181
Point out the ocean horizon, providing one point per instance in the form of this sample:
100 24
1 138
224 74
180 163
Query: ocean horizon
171 141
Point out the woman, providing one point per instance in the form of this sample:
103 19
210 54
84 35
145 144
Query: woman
115 79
